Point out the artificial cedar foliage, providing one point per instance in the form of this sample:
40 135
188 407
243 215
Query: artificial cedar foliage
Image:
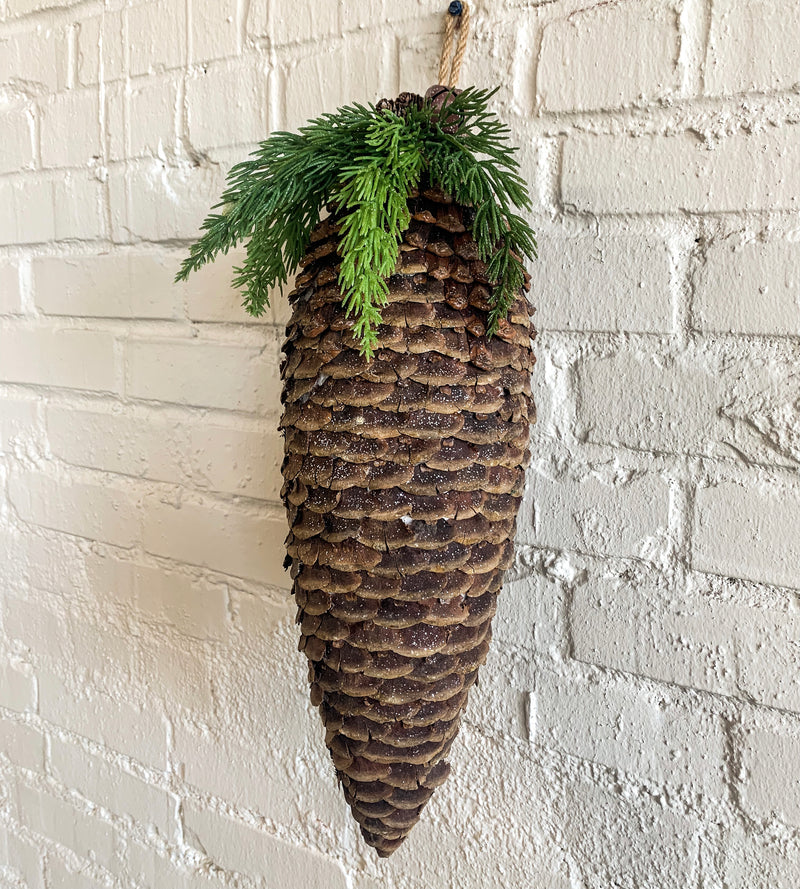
366 161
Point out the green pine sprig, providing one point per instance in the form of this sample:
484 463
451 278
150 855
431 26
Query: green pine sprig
367 162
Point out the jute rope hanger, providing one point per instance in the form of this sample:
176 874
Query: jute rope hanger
457 14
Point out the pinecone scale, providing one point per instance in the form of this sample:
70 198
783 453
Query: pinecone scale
403 476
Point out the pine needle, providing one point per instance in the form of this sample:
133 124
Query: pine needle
366 162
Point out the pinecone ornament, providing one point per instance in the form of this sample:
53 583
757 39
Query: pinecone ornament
406 426
403 476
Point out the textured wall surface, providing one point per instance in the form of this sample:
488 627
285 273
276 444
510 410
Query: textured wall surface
638 723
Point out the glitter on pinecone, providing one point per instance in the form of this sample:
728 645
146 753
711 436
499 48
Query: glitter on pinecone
403 476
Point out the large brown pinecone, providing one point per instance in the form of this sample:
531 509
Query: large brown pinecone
403 477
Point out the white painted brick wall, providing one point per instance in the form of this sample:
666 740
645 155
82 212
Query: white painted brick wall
659 173
638 722
749 287
581 66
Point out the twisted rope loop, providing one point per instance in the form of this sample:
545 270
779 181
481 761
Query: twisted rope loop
457 14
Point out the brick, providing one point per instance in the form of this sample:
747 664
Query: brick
511 795
78 206
34 628
236 773
34 625
770 783
76 112
100 50
19 423
29 215
418 53
104 649
155 656
172 601
38 57
749 288
112 578
38 211
362 882
519 610
227 105
210 296
22 7
96 511
127 443
109 786
256 617
152 200
76 359
751 47
49 562
501 55
65 877
244 378
213 29
614 838
238 847
10 297
500 706
8 220
764 407
114 722
150 131
17 128
538 157
608 279
581 68
17 688
219 537
248 696
153 871
670 174
244 459
638 629
302 761
767 655
710 398
318 80
160 29
280 312
760 862
283 21
54 819
107 285
185 672
117 114
645 734
651 402
359 16
728 646
167 599
23 859
22 744
747 531
623 516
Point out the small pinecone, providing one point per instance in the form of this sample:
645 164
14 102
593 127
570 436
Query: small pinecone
439 96
402 481
400 104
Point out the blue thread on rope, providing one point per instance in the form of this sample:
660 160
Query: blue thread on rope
455 8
